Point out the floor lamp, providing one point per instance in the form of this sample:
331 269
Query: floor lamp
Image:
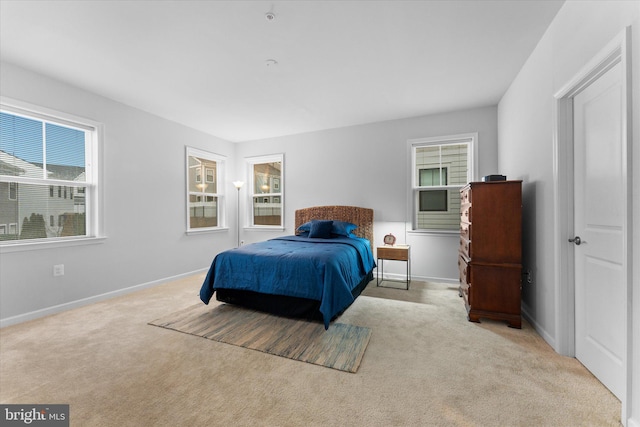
238 185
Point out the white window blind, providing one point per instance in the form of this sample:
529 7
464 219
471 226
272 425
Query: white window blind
46 171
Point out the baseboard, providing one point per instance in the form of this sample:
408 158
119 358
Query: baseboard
90 300
440 280
539 329
402 277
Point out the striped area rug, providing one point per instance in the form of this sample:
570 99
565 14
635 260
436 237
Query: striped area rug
340 347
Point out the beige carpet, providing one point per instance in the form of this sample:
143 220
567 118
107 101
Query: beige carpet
340 347
425 365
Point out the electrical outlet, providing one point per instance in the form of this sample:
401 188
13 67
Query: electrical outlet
58 270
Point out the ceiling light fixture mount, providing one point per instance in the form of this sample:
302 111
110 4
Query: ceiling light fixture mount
270 16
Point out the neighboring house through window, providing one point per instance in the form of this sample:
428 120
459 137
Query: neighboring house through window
267 190
205 198
41 150
440 167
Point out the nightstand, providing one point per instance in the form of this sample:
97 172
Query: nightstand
393 253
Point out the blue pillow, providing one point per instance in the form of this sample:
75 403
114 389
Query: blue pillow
304 227
320 229
342 228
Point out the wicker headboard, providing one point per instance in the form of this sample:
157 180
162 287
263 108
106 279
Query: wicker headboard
362 217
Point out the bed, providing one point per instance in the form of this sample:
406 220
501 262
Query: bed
316 273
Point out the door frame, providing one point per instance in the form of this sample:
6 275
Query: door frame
616 51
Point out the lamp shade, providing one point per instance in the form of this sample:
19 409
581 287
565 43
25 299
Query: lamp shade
238 184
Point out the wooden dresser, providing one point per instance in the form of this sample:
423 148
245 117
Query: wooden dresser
490 253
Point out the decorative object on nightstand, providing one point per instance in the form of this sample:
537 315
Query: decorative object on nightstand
393 253
390 239
490 252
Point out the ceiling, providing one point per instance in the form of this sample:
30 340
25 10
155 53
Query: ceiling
205 64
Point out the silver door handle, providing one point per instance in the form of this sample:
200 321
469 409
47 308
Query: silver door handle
577 240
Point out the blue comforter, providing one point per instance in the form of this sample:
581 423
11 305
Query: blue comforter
325 270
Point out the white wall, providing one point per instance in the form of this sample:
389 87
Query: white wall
144 207
144 196
367 166
525 124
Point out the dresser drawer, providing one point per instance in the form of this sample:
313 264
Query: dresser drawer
394 253
465 248
465 195
465 230
464 270
495 288
465 292
465 213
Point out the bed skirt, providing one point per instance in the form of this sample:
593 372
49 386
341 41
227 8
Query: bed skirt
283 305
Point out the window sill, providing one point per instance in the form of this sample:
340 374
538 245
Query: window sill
6 248
206 230
264 228
434 232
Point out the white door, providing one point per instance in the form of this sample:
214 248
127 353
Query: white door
600 218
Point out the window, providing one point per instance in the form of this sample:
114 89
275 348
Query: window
266 189
38 152
432 176
13 191
205 198
439 168
433 200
